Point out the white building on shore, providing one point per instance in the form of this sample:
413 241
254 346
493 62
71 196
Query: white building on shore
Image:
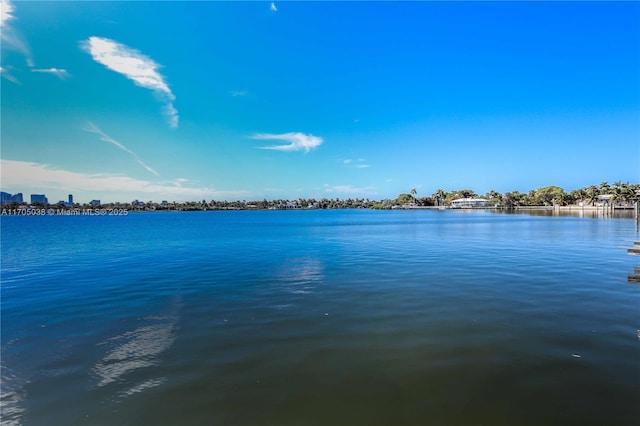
469 203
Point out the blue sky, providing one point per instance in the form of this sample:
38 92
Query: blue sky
249 100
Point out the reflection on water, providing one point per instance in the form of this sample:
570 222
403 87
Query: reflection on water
151 383
301 275
136 349
123 356
12 397
589 213
634 277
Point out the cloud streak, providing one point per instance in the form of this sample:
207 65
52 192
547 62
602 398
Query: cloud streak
135 66
349 189
296 141
23 174
6 12
62 74
273 7
6 74
360 163
10 37
106 138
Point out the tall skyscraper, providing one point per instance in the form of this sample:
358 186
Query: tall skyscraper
39 198
6 198
70 199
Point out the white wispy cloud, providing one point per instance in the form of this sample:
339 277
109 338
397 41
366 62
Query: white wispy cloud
171 114
137 67
237 93
42 177
7 74
359 163
6 12
61 73
349 189
296 141
106 138
273 7
11 39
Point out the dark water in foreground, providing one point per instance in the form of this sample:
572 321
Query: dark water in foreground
319 318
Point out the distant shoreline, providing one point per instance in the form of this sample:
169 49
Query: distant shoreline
108 211
572 208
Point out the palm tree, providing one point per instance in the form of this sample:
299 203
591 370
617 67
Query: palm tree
579 194
623 192
634 192
592 193
618 194
604 188
440 195
495 197
467 193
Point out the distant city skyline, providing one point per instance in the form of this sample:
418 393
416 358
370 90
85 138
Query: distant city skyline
253 100
8 198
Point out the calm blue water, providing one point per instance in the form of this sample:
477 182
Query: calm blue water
319 318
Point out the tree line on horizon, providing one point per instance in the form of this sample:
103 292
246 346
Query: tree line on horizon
619 192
